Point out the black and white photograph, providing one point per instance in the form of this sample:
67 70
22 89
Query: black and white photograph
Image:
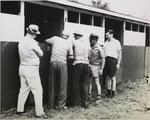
75 59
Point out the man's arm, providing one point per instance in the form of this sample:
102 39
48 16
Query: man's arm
103 63
103 60
70 53
38 50
50 40
119 58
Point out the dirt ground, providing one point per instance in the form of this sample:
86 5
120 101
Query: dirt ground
128 104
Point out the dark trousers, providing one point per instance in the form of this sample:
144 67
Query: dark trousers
80 81
57 85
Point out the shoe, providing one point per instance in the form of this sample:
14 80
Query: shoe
43 116
85 105
49 107
113 94
98 97
19 113
147 109
89 97
60 108
108 94
65 107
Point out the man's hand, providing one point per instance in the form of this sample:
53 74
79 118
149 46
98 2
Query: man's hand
118 66
100 71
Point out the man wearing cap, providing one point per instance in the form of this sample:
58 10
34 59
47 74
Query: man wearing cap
58 75
29 53
81 71
97 62
112 49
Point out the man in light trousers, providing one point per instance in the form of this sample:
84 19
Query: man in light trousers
29 53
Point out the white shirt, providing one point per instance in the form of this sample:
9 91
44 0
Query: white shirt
112 48
28 52
60 49
81 49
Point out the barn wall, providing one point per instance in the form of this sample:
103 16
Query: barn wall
133 62
0 78
147 61
9 74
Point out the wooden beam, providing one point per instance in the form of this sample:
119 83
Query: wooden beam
92 20
65 15
79 17
22 8
103 24
0 7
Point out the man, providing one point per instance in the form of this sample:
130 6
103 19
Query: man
97 62
112 49
81 73
58 75
29 53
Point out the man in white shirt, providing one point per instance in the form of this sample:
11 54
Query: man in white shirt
81 71
29 53
58 74
112 49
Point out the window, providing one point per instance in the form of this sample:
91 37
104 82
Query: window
10 7
141 28
73 17
128 26
98 21
134 27
86 19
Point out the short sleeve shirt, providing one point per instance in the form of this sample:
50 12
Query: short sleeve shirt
27 54
60 49
81 49
95 55
112 48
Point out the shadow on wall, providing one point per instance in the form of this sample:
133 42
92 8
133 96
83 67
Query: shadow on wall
10 82
9 74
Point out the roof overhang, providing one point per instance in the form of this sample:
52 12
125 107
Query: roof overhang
97 10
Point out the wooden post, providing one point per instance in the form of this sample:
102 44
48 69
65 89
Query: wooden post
103 24
123 31
79 17
144 29
92 20
22 8
65 15
0 7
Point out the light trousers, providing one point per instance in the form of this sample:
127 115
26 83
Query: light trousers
30 81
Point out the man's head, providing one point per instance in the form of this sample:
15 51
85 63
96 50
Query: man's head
109 34
33 30
93 39
77 35
65 34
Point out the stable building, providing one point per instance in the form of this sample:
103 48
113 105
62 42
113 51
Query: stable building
53 16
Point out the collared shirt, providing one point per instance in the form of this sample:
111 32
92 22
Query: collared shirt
112 48
28 49
60 49
95 55
81 49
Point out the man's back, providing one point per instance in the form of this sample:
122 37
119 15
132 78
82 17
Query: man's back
60 49
95 55
81 49
26 52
